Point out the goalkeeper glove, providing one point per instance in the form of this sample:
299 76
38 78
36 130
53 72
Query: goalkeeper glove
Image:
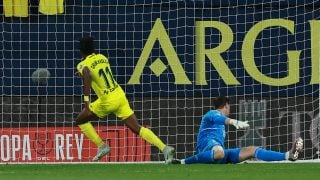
239 124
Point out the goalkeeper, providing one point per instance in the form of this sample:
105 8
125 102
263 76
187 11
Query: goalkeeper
210 141
95 72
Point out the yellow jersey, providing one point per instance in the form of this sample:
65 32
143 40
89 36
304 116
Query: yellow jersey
102 80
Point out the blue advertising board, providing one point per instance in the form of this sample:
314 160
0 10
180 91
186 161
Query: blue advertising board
170 48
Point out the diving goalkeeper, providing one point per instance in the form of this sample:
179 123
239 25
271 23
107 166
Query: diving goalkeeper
96 73
211 136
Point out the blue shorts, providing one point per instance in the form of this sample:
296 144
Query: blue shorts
230 156
208 146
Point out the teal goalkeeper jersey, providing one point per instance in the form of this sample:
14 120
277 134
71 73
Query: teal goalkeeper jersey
212 127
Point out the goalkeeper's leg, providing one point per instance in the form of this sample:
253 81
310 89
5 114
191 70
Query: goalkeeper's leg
216 154
236 155
267 155
150 137
260 154
263 154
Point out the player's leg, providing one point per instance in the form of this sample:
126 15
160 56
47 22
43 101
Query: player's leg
220 156
230 156
207 155
235 156
259 153
267 155
132 123
83 121
126 113
247 153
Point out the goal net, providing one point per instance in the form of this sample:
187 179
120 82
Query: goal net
172 58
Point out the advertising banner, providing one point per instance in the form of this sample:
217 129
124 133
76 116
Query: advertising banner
68 144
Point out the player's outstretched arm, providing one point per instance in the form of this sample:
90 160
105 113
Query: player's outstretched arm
238 124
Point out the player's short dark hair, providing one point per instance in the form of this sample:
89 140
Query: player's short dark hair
220 101
87 45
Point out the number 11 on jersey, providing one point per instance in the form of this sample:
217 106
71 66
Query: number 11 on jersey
107 76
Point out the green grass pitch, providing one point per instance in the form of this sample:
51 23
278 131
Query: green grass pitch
283 171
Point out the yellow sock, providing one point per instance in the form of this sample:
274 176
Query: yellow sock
91 133
151 138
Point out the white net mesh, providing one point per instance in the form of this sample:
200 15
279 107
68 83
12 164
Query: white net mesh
172 58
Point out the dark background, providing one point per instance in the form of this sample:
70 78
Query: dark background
173 111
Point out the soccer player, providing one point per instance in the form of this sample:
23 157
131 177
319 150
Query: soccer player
95 72
210 141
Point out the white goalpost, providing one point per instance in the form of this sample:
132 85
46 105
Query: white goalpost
171 58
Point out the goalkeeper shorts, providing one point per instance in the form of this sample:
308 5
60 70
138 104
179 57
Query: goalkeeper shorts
230 156
207 145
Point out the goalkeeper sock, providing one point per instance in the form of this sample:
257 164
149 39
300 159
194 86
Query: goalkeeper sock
151 138
267 155
204 157
91 133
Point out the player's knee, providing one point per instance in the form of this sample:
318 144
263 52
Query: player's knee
218 155
251 149
132 123
80 121
85 116
247 152
218 152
